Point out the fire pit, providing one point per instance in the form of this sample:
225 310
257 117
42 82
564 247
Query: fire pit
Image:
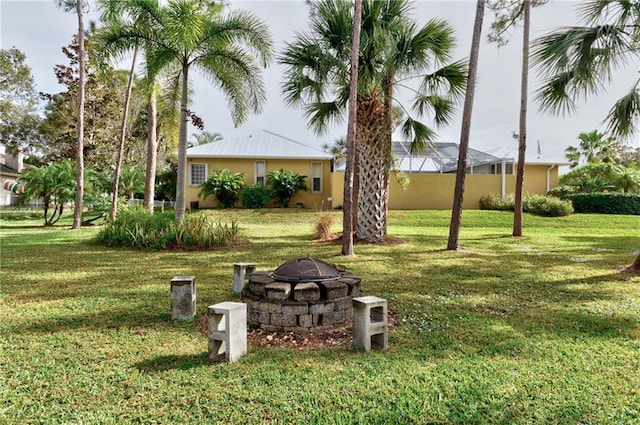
301 295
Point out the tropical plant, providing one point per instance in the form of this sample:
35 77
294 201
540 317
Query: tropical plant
224 185
627 179
138 228
255 196
204 138
577 61
594 147
285 184
131 181
392 50
601 177
54 184
191 34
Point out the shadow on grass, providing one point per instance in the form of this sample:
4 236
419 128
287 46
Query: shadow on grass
131 318
177 362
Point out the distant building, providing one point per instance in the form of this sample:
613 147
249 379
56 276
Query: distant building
431 173
10 168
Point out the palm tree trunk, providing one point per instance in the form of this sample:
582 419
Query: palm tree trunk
522 145
348 204
152 151
123 133
77 212
458 196
181 185
372 169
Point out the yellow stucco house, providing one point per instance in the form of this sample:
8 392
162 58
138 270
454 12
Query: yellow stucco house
255 156
431 174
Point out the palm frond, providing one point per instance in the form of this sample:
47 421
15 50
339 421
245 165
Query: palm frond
623 116
322 114
421 136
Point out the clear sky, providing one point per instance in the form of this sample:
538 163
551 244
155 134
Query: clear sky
40 29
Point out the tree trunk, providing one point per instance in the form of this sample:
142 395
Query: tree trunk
77 212
123 133
181 185
522 145
458 197
348 202
372 169
152 151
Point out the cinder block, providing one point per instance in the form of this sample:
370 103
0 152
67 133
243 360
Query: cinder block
227 331
241 272
370 323
183 297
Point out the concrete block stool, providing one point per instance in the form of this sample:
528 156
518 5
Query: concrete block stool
241 272
227 331
370 323
183 297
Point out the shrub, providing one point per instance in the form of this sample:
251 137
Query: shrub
136 228
255 196
285 184
496 202
562 192
224 185
324 221
546 206
535 204
606 203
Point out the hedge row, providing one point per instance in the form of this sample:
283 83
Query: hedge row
606 203
546 206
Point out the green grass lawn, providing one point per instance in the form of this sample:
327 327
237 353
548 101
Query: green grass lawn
539 329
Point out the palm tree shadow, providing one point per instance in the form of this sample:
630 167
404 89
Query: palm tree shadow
174 362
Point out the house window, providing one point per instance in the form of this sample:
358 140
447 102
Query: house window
316 177
261 173
197 174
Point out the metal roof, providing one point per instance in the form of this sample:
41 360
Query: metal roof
439 157
529 158
265 144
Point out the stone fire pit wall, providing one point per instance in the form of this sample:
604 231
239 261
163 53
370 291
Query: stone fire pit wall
300 307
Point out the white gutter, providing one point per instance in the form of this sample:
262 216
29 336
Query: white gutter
549 176
504 178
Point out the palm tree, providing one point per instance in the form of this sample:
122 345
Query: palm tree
121 16
458 196
54 183
112 13
594 147
350 191
578 61
627 179
228 50
78 5
522 141
392 50
204 138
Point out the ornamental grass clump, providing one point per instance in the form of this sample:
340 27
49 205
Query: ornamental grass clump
137 228
324 221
